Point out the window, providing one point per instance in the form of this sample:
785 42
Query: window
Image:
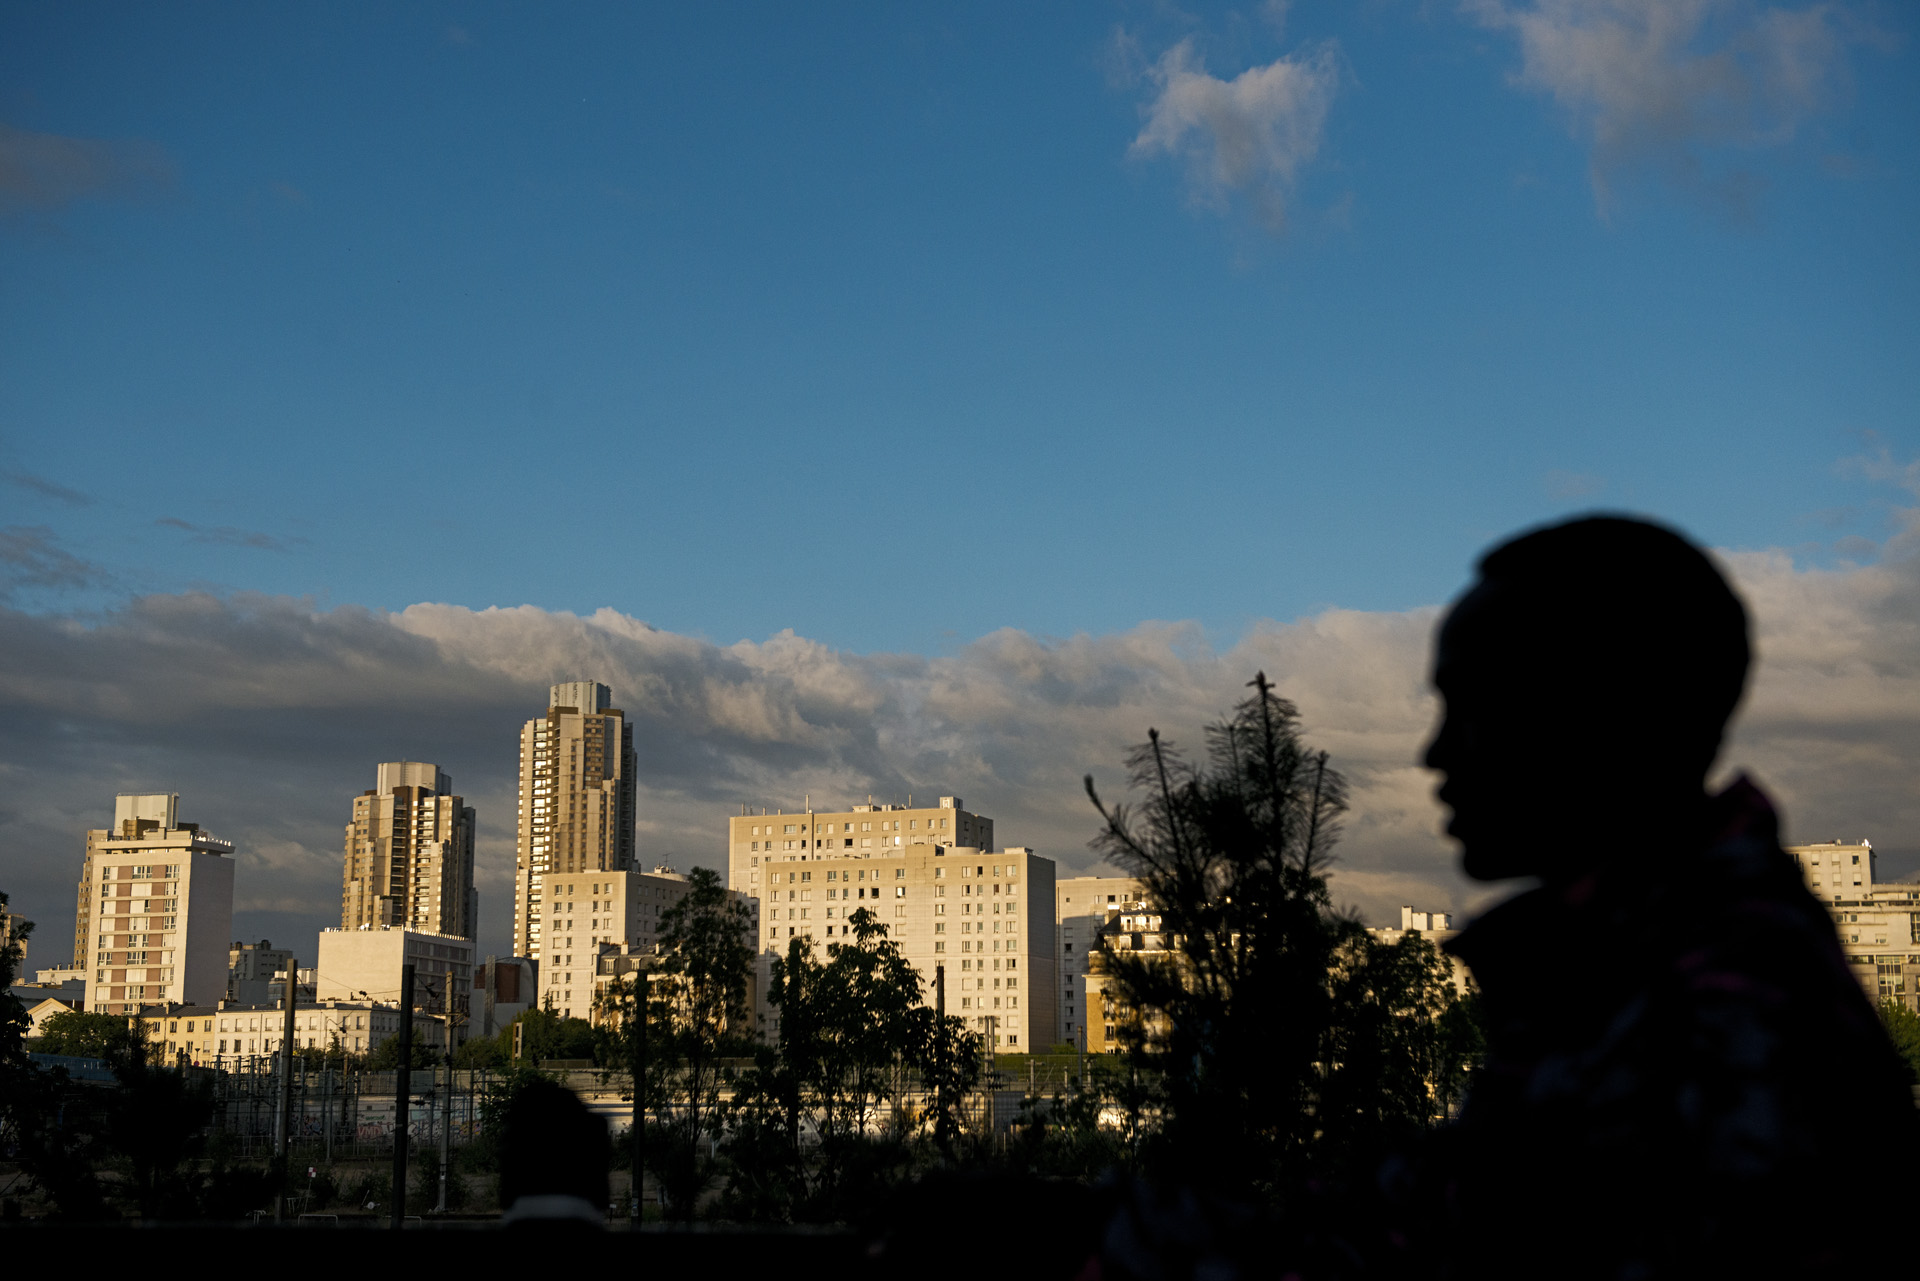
899 891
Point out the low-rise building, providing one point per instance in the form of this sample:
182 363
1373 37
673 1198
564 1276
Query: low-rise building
44 1008
237 1035
365 964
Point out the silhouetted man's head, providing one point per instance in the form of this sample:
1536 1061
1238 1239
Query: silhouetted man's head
554 1155
1587 679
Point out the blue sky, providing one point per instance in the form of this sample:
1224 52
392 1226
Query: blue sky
898 326
873 322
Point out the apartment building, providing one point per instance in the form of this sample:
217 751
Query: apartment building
409 854
577 801
252 969
986 917
1435 928
1878 922
234 1035
597 914
155 909
1083 907
503 990
1134 928
366 964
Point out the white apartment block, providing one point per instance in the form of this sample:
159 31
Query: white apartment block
986 917
409 854
1083 906
365 964
232 1035
252 969
1878 923
577 802
155 909
601 913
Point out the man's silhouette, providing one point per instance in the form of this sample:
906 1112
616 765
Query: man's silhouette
1683 1078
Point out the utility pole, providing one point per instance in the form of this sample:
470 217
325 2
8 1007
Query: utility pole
402 1087
939 1036
446 1106
286 1088
637 1030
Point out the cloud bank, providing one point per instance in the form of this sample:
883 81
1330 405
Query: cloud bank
1661 83
1247 137
268 714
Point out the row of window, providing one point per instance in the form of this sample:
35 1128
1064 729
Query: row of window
827 829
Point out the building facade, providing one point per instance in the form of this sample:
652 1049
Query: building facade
155 909
252 968
365 964
237 1035
1083 907
592 912
988 918
1878 923
409 854
503 990
577 801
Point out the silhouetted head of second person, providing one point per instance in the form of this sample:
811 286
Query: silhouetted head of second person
1586 678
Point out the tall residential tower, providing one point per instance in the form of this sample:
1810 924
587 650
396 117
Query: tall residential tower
409 854
155 909
577 799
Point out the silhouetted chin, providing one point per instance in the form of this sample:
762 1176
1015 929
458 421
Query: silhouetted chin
1485 860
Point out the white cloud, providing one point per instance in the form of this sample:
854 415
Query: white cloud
268 715
1246 137
1662 83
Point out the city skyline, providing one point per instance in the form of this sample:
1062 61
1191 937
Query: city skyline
362 375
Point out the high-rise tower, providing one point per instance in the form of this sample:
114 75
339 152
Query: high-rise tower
155 909
577 800
409 854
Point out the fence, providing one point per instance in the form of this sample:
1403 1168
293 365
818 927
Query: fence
346 1114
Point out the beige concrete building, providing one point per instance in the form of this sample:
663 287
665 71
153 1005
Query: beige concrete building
987 917
601 913
234 1035
365 965
503 990
155 909
1878 923
577 801
252 968
1436 928
409 854
1083 907
1132 928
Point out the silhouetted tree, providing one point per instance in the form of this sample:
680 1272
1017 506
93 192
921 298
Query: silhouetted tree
1230 1020
697 1015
